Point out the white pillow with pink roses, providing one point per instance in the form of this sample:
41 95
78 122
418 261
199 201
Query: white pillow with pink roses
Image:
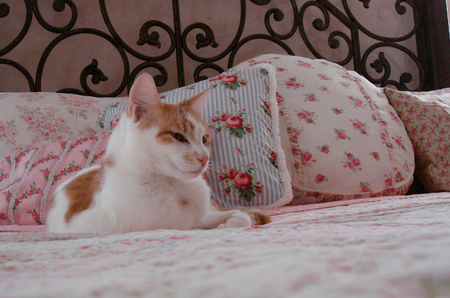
342 138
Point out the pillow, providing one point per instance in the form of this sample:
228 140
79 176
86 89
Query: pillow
248 166
427 119
29 176
247 162
41 118
343 139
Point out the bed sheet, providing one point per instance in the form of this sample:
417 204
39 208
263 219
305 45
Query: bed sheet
384 247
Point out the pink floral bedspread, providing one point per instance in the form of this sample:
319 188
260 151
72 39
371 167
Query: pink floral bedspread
385 247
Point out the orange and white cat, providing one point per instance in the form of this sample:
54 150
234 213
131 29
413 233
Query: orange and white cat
150 177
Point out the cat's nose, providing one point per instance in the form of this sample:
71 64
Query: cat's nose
203 159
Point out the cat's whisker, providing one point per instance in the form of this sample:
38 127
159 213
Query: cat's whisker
214 167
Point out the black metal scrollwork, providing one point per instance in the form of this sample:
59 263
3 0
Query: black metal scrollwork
382 64
160 80
278 16
322 25
58 6
353 41
152 39
91 69
4 10
148 37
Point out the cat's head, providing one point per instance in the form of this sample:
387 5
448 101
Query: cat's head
179 139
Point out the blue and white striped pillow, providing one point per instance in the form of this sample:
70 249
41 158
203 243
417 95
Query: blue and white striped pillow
248 166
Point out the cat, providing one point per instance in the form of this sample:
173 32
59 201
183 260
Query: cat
151 175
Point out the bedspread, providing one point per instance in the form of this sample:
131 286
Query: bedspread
385 247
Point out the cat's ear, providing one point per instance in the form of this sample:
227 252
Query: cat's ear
143 97
198 100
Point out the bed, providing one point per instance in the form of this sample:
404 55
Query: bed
344 139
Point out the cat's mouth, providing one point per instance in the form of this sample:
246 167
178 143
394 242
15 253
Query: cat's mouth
196 172
189 172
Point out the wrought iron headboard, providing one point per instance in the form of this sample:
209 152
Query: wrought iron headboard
371 60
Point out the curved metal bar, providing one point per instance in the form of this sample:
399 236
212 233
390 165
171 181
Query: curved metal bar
211 37
400 9
96 74
322 25
278 16
202 40
4 8
149 34
254 37
160 80
335 43
22 69
382 65
365 3
88 70
151 39
199 69
58 6
261 2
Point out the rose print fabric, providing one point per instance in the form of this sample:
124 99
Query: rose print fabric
248 167
427 119
344 140
29 176
247 164
396 247
41 118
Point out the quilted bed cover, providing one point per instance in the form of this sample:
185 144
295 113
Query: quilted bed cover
383 247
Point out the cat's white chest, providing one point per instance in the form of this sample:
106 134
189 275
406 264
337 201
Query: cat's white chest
157 202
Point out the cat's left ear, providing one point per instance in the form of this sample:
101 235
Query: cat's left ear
198 100
143 96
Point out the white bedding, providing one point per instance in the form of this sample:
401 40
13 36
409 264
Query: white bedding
385 247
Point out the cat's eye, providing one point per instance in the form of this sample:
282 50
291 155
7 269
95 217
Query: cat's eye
204 139
179 137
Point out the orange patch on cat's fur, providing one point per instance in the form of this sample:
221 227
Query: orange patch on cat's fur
108 161
168 117
258 218
183 202
82 189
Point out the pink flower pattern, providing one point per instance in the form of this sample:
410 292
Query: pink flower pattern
426 116
311 97
340 134
357 102
360 126
45 167
292 83
354 131
306 116
324 149
241 182
228 80
234 124
41 118
352 162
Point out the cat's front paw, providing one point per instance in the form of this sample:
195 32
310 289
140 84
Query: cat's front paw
237 220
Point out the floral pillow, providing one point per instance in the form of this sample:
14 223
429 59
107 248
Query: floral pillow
248 164
29 176
41 118
427 119
342 137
